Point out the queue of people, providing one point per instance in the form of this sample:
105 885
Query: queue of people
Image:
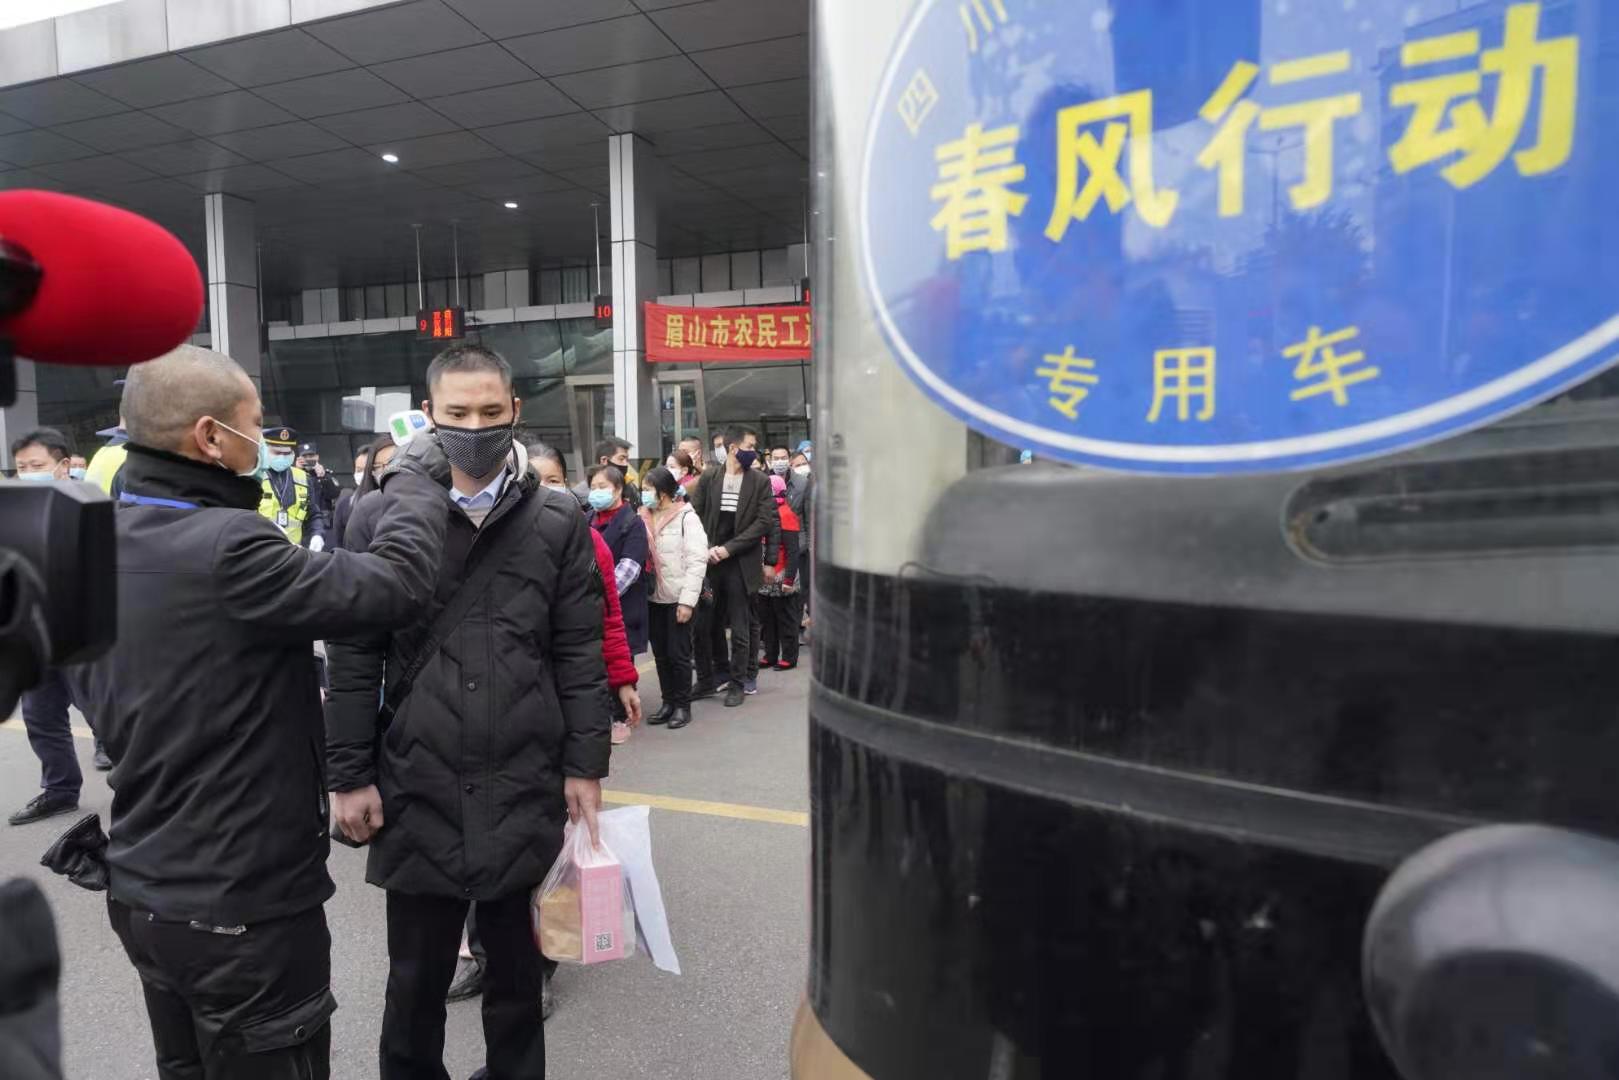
481 627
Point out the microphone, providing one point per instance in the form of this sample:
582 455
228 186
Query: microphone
82 282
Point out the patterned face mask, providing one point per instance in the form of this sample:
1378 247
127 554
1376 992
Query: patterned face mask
476 451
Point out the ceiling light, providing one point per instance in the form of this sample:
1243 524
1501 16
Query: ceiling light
510 205
392 159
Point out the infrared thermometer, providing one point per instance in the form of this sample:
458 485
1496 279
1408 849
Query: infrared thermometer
405 426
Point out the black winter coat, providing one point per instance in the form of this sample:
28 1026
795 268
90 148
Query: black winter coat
208 703
626 538
755 520
515 699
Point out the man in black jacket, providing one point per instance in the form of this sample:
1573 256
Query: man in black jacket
209 708
503 732
739 514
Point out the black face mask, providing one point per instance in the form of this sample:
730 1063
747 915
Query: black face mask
745 458
476 452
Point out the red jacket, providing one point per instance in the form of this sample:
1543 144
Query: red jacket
787 568
615 645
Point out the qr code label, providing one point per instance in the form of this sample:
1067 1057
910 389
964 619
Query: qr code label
604 942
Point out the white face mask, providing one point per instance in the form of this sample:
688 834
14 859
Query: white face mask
802 470
358 477
676 469
557 487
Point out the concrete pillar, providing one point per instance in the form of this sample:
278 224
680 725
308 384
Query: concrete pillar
233 280
23 416
633 220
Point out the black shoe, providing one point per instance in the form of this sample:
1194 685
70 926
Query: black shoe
468 981
102 761
662 715
733 695
679 718
548 1000
44 805
702 690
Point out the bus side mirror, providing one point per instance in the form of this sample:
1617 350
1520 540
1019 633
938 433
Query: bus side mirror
1493 954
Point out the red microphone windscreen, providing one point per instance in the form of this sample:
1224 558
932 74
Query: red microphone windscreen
116 289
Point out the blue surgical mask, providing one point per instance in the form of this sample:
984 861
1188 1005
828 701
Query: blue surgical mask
649 499
263 466
602 498
76 473
35 477
280 462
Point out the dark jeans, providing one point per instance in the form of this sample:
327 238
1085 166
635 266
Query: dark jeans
44 714
779 617
705 629
671 648
424 938
250 1006
733 610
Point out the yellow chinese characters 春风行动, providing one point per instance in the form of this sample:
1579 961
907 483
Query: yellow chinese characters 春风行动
1481 141
976 172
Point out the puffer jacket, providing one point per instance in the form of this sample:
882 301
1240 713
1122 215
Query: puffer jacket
471 767
680 557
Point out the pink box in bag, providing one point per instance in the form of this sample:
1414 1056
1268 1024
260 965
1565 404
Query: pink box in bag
601 904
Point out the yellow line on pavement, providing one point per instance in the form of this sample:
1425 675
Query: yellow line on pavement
712 809
735 811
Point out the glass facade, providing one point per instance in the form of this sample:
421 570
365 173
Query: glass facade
307 380
335 391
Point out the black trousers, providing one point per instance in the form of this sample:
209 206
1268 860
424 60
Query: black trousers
44 714
708 642
733 611
548 966
254 1005
754 636
424 939
779 617
671 649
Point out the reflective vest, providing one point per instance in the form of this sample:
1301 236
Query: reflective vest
290 518
104 465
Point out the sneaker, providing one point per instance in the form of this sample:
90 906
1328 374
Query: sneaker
101 761
45 805
468 982
621 732
750 686
785 666
733 696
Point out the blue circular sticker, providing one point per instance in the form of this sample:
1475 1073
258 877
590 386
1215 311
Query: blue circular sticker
1185 237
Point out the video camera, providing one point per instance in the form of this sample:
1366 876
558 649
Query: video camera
80 283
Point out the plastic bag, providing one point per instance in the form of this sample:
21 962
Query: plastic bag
582 912
628 831
558 908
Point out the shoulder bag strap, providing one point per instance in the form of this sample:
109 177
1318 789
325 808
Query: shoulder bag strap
471 591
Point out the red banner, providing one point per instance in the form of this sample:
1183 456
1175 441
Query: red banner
687 334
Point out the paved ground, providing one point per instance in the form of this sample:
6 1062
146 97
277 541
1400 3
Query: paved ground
736 888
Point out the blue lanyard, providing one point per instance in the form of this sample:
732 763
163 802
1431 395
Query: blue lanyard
148 500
